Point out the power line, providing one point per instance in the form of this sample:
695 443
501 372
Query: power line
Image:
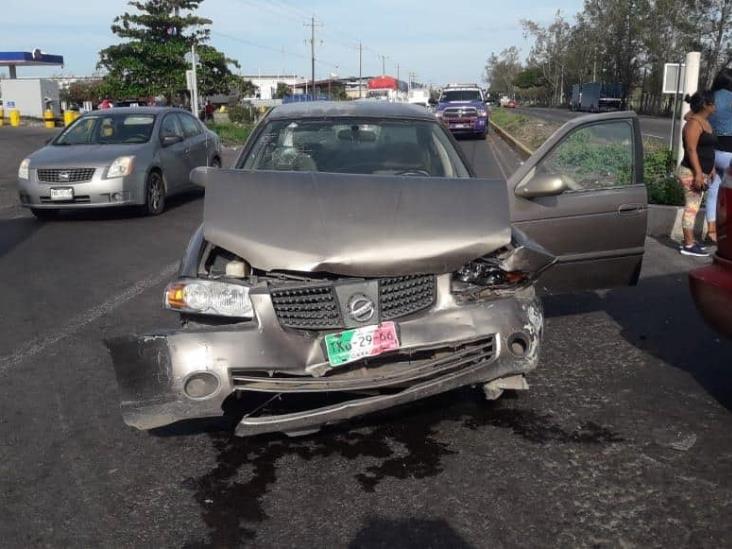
257 45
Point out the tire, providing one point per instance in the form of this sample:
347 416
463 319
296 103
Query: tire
483 135
154 195
44 214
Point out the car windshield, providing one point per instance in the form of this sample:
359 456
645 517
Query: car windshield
460 95
357 146
108 129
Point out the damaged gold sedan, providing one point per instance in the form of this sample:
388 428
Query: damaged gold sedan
353 252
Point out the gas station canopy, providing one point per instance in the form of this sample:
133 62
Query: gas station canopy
14 59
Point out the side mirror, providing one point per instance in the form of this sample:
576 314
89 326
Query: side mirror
168 140
541 185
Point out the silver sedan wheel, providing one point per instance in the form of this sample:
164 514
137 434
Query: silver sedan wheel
155 194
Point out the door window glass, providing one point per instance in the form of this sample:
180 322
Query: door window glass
190 126
594 157
170 127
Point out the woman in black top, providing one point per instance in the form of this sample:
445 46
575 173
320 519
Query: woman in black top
697 167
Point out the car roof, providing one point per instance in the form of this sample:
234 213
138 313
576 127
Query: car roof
138 110
365 108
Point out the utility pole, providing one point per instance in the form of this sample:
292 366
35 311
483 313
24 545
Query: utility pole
312 26
397 74
383 64
360 69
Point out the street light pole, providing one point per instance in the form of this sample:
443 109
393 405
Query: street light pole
194 91
691 83
312 54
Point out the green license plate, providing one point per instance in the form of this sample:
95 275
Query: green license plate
353 345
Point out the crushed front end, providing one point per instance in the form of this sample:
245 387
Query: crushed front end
311 333
375 302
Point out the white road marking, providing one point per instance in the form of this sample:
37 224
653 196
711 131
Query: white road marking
654 136
40 344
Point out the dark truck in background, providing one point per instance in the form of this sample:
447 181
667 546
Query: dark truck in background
596 97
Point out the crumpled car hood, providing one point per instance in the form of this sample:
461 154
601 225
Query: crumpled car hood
353 225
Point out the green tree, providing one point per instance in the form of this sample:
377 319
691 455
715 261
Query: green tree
549 52
282 90
243 87
501 71
83 90
530 77
151 59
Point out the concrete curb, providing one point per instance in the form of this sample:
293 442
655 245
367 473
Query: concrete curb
665 221
519 147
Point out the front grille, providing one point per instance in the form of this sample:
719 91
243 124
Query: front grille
401 368
78 199
310 308
69 175
405 295
316 307
460 112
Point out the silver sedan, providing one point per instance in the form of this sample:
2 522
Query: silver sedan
117 157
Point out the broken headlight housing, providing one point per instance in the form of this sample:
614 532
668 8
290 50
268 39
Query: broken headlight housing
513 267
486 273
209 297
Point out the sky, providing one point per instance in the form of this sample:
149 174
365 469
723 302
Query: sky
439 40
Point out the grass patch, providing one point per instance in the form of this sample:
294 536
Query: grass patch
529 130
232 135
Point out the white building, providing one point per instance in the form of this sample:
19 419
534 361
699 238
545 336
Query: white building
30 96
267 84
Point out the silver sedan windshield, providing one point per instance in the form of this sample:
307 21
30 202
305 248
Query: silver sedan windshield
108 129
356 146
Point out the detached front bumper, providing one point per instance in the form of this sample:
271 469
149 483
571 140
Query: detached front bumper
445 347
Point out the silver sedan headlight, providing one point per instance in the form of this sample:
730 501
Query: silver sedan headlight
209 297
24 169
121 167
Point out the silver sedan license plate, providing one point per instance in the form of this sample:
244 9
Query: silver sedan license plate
367 341
62 193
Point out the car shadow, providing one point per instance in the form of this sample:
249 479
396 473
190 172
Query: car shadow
659 318
14 231
125 212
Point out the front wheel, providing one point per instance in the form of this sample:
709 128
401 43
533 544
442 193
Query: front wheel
154 195
44 214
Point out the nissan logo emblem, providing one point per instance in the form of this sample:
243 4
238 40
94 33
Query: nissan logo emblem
361 308
64 176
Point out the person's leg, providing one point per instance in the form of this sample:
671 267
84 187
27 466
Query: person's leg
692 203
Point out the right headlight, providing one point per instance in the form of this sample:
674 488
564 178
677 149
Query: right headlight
486 274
24 169
209 297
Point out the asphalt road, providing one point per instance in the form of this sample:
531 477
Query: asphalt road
651 126
623 439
